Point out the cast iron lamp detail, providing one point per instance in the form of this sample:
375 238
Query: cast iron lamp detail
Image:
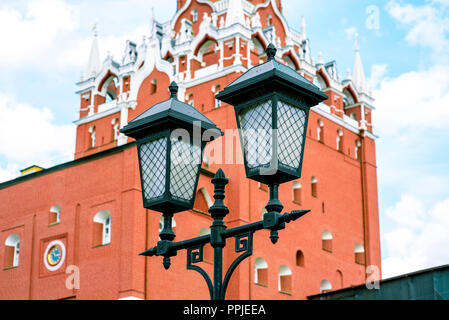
272 103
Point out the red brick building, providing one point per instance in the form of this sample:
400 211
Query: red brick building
74 231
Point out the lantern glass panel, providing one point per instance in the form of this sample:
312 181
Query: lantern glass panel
256 125
185 163
153 167
291 123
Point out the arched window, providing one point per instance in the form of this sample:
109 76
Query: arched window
262 186
12 249
269 20
264 210
153 86
189 99
207 197
93 137
206 161
359 253
320 82
207 53
54 215
340 278
208 251
115 129
357 150
261 272
326 240
215 90
285 279
102 228
325 286
257 47
161 225
339 140
203 201
348 99
289 62
110 96
353 116
194 15
320 131
297 192
314 185
299 258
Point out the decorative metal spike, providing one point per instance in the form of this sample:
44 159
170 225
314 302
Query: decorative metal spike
274 236
173 88
167 263
271 51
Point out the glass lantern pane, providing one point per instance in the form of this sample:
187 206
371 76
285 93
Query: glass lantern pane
256 126
291 128
153 157
185 163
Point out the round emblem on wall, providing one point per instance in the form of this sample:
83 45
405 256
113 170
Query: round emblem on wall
54 255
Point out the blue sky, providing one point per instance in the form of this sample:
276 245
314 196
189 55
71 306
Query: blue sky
405 52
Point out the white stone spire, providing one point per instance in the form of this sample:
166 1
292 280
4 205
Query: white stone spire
303 28
153 28
358 75
235 13
93 66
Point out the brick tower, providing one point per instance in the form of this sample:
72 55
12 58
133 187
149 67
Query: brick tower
82 222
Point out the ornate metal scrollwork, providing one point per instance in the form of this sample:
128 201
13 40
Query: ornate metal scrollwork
243 243
195 255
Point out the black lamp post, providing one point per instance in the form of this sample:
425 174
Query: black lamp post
272 103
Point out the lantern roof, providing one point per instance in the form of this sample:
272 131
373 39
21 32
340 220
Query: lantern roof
171 110
261 75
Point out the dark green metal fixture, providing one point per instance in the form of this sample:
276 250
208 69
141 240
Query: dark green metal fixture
170 147
272 103
170 151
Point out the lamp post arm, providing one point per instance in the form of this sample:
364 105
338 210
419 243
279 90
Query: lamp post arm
250 227
273 220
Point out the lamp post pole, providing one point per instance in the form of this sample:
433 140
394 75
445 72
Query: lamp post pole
273 220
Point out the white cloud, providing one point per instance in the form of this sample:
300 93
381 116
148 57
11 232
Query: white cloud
28 136
351 33
27 36
378 72
429 25
415 99
77 54
50 34
420 239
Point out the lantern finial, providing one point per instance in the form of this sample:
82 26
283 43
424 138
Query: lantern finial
271 52
173 88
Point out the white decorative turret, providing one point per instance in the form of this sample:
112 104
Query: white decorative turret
320 59
255 21
130 54
93 65
358 75
186 32
235 13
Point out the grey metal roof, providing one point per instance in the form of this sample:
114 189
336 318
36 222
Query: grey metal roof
271 70
266 68
168 109
173 107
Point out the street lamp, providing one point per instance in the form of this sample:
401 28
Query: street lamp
170 151
272 103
